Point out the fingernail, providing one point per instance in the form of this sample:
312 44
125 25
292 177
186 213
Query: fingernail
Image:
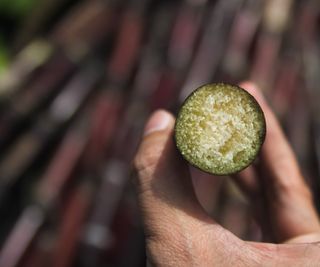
159 121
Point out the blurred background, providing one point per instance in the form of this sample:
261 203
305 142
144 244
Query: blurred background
78 80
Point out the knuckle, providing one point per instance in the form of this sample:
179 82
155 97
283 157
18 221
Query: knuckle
144 160
149 153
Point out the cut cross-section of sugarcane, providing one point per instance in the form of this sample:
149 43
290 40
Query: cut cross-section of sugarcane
220 129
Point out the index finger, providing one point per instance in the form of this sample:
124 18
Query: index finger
276 153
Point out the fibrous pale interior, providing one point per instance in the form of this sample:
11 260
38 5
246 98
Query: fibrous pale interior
220 128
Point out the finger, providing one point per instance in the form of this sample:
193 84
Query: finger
250 184
306 238
165 191
306 254
276 153
289 199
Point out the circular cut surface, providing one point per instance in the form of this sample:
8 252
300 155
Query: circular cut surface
220 129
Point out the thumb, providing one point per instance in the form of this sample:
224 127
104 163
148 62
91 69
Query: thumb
165 191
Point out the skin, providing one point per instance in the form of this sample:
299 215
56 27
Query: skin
179 232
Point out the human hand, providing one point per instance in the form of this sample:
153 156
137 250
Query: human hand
180 233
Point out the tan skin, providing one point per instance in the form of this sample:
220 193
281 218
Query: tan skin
180 233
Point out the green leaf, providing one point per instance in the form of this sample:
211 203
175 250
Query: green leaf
16 7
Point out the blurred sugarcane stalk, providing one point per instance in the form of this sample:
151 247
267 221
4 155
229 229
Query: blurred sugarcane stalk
47 193
113 176
185 33
34 22
276 18
86 27
33 98
236 62
25 63
29 148
211 47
